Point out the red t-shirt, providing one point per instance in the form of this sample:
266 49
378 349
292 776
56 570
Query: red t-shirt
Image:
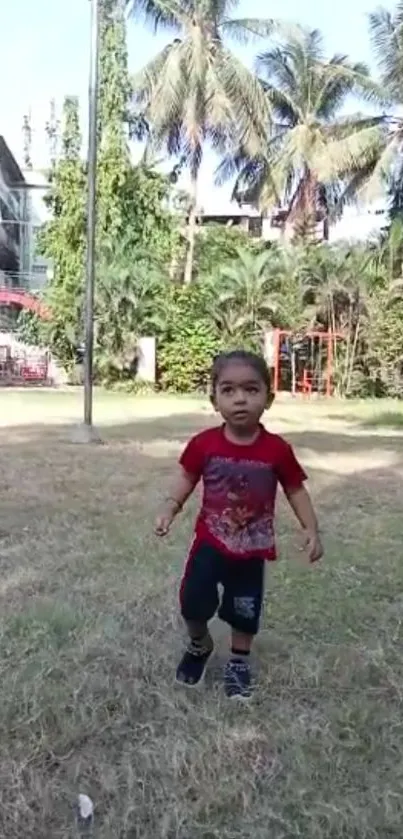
239 489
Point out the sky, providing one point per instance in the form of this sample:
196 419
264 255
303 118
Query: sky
44 54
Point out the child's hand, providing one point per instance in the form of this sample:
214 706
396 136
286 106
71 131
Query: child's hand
313 545
163 524
166 516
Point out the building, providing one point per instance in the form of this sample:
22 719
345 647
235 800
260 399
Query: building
22 214
13 217
38 267
358 223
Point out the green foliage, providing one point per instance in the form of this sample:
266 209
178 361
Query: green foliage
196 90
189 341
63 239
217 245
30 329
284 139
382 362
245 302
310 159
131 201
114 96
148 222
129 303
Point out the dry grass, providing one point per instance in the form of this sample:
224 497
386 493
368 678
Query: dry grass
90 636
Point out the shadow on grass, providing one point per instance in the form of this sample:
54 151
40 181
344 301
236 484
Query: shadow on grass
383 419
176 431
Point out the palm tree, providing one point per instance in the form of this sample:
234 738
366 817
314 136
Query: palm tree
129 303
245 300
386 31
196 90
294 168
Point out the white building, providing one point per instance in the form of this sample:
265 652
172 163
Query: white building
357 224
39 268
13 215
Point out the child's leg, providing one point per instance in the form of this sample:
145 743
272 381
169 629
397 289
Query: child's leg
241 608
199 601
241 642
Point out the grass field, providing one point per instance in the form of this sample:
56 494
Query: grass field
90 636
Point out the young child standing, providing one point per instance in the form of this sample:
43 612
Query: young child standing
240 464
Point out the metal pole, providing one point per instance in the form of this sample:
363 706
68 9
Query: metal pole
91 217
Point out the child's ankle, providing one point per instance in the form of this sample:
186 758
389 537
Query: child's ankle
201 640
240 654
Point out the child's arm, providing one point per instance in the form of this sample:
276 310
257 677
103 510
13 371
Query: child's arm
292 477
300 502
182 486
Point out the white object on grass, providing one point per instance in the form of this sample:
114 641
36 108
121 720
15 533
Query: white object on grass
85 807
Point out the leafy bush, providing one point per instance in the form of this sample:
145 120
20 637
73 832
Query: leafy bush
217 246
129 303
185 362
189 342
30 328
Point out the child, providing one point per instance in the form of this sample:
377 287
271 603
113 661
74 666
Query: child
240 464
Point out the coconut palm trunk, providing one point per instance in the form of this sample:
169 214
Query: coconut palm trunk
191 228
303 209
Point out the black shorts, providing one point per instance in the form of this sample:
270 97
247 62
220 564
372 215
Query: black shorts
243 586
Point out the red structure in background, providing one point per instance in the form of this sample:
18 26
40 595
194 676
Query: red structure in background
18 365
22 298
304 364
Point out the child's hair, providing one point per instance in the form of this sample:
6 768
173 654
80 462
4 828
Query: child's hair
253 360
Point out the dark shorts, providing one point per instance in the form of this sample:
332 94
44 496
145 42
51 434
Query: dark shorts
243 585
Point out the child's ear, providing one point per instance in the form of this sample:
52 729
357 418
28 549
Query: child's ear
213 402
270 400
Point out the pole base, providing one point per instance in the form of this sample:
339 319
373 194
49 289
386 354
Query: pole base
84 434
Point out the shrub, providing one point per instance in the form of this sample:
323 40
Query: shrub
190 341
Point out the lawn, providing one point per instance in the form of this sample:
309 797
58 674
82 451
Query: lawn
90 636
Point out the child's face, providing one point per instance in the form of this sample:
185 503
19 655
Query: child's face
240 395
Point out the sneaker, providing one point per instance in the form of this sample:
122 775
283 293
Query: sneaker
192 666
237 679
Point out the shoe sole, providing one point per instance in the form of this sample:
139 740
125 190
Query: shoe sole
244 700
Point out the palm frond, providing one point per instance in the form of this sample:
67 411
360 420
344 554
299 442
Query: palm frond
343 126
387 154
285 110
147 79
276 66
159 14
247 30
386 32
342 157
250 107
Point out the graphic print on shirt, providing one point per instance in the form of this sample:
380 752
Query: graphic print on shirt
239 503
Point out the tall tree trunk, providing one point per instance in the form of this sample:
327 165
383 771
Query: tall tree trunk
353 356
191 230
326 228
304 206
293 371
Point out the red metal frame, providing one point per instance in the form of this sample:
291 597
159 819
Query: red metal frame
28 367
20 297
25 367
328 338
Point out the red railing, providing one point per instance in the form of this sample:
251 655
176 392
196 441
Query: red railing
22 297
19 366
